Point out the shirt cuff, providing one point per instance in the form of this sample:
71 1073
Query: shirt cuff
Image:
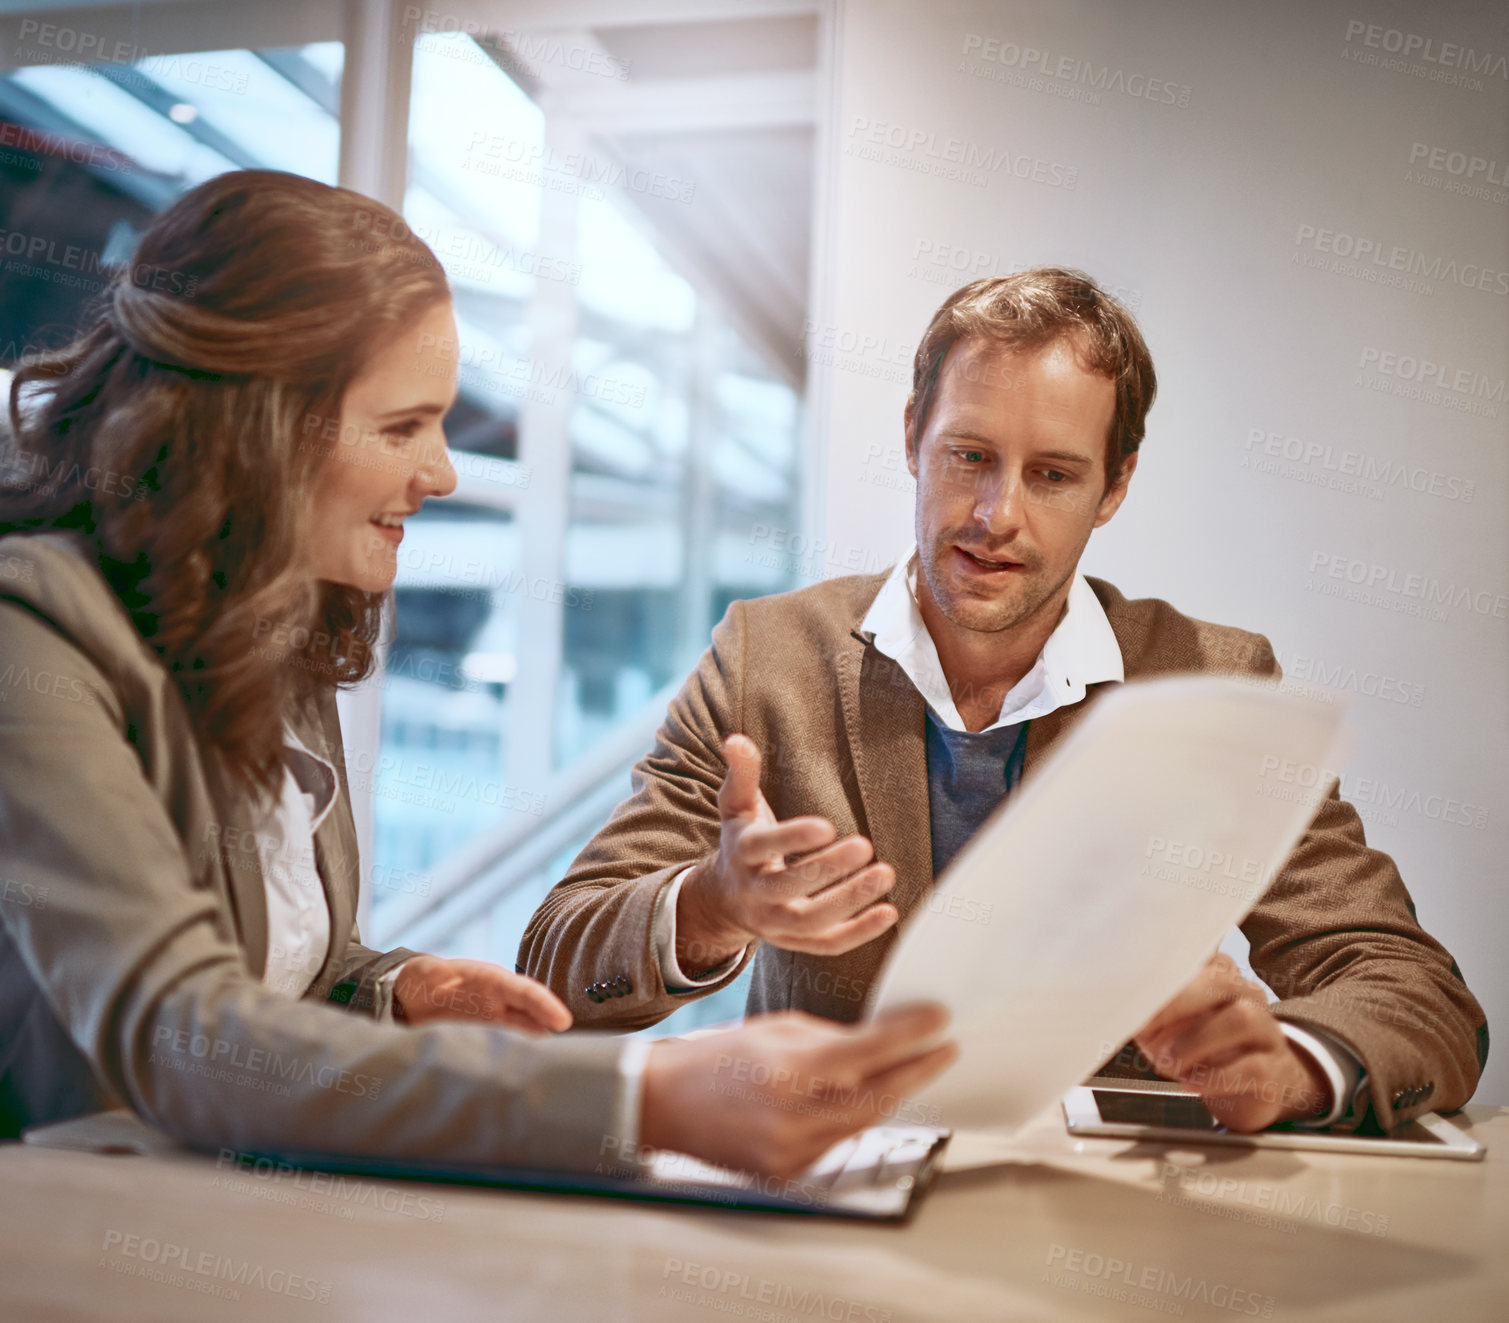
631 1063
1343 1072
382 1000
664 932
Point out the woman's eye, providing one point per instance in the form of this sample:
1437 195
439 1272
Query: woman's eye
972 456
405 432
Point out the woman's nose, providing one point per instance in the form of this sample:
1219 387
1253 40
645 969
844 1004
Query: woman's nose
436 475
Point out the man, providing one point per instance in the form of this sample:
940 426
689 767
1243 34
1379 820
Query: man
836 746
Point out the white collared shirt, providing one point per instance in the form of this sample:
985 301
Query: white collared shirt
1081 651
298 912
298 915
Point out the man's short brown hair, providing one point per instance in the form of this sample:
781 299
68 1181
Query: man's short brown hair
1031 310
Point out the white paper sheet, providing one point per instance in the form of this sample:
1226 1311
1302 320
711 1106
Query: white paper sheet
1105 883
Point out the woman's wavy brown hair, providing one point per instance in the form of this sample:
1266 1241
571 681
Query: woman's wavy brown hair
179 434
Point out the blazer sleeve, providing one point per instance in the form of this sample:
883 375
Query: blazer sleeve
596 926
1337 938
352 982
140 966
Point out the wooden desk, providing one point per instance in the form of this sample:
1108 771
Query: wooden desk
1198 1234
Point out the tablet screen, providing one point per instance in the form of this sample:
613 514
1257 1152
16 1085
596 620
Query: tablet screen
1161 1109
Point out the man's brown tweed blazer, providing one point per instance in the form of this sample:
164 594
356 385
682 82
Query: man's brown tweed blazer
842 732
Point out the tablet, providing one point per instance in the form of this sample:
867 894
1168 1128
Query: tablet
881 1173
1158 1112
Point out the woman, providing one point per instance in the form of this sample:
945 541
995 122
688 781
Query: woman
206 494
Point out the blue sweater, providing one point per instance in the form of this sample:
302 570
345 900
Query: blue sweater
967 776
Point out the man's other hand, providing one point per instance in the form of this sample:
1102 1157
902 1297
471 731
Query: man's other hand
778 1091
1219 1038
790 883
428 989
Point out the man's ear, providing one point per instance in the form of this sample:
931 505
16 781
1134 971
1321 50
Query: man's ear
1117 493
907 415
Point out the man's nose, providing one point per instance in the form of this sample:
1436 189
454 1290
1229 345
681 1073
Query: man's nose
998 503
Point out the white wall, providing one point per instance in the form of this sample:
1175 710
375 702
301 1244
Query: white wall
1208 214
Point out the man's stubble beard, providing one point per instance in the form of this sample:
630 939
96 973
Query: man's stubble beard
985 616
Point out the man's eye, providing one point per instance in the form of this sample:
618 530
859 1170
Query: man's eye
1054 475
972 456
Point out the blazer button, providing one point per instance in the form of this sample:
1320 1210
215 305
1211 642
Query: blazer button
595 993
1427 1091
621 986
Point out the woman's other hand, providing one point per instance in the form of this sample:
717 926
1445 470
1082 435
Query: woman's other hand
430 989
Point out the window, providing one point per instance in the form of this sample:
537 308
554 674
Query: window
637 443
90 152
626 434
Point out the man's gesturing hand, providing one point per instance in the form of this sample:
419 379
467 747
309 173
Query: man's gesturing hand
822 903
1219 1037
777 1092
